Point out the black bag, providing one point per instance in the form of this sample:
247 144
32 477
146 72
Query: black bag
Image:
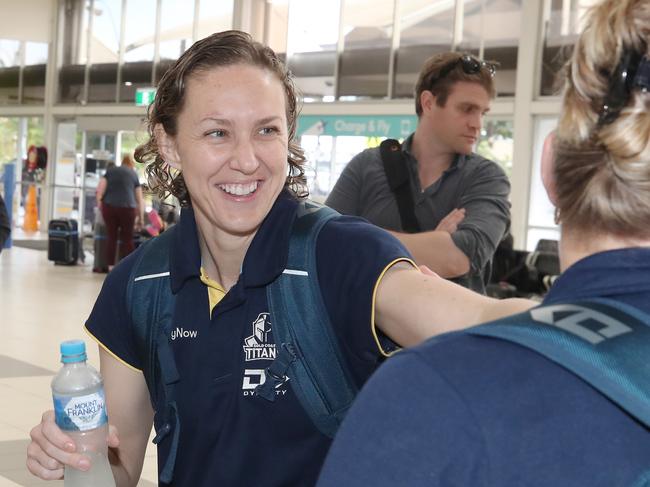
63 241
398 180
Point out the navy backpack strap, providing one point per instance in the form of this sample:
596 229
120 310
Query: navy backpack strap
397 173
606 343
308 350
151 304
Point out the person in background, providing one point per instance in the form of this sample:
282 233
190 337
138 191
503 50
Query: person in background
459 198
222 140
5 224
477 411
119 197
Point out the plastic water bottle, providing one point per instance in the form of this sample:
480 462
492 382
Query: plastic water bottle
80 410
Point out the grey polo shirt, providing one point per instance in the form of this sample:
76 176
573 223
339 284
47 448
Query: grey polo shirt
471 182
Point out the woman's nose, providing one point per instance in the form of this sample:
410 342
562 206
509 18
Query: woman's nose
244 157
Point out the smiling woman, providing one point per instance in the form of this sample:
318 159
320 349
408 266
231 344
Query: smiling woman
222 131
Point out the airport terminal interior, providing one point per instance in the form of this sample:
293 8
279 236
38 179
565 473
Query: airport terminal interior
76 77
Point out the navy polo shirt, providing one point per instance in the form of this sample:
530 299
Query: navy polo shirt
475 411
228 436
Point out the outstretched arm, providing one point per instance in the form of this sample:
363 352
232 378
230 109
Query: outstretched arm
411 306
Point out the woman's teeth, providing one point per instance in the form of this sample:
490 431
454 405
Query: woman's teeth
239 189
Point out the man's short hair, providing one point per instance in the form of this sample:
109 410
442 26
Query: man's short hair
441 71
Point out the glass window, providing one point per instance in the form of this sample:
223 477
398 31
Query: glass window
277 25
140 29
105 51
495 28
176 22
496 143
214 17
541 212
368 28
9 141
34 72
562 22
74 52
9 71
311 46
138 47
426 28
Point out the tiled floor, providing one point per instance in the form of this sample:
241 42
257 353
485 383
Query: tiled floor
40 305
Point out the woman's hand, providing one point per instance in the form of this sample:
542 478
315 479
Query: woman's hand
51 449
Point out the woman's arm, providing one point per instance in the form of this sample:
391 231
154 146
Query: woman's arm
130 411
411 306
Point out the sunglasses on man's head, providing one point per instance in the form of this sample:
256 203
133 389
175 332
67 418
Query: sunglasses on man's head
470 65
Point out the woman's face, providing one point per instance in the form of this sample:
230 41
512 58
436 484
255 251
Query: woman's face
232 146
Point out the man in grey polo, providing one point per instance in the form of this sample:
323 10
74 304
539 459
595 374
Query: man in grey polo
460 198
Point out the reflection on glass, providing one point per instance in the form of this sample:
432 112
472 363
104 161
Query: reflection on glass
496 143
9 71
494 27
541 213
140 29
562 22
34 72
368 28
214 17
175 28
426 28
278 22
104 51
311 45
74 52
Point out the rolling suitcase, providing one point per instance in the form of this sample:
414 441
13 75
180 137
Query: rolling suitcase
99 246
63 241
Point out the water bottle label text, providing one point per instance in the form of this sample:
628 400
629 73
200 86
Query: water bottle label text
80 413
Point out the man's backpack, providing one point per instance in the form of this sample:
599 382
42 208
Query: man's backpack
603 342
307 347
397 173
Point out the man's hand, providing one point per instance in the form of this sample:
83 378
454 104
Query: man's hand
450 222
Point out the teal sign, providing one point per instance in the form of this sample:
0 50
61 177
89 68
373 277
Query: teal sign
391 126
144 96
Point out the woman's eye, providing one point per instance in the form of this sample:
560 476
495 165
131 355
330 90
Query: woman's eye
268 131
217 133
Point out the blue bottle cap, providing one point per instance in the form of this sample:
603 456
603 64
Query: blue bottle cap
73 351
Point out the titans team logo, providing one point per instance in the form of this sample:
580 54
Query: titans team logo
257 346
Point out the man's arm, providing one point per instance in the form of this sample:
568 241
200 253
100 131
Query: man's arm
472 245
411 306
437 250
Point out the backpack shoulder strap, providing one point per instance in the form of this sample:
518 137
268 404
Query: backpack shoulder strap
399 183
307 347
606 343
151 306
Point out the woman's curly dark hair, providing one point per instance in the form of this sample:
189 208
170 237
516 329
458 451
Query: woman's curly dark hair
220 49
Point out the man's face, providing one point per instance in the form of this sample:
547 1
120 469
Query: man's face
457 125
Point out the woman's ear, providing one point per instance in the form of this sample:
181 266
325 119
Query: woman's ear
167 146
548 167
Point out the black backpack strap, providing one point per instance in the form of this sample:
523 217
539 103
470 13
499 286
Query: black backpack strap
397 173
308 351
606 343
151 304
